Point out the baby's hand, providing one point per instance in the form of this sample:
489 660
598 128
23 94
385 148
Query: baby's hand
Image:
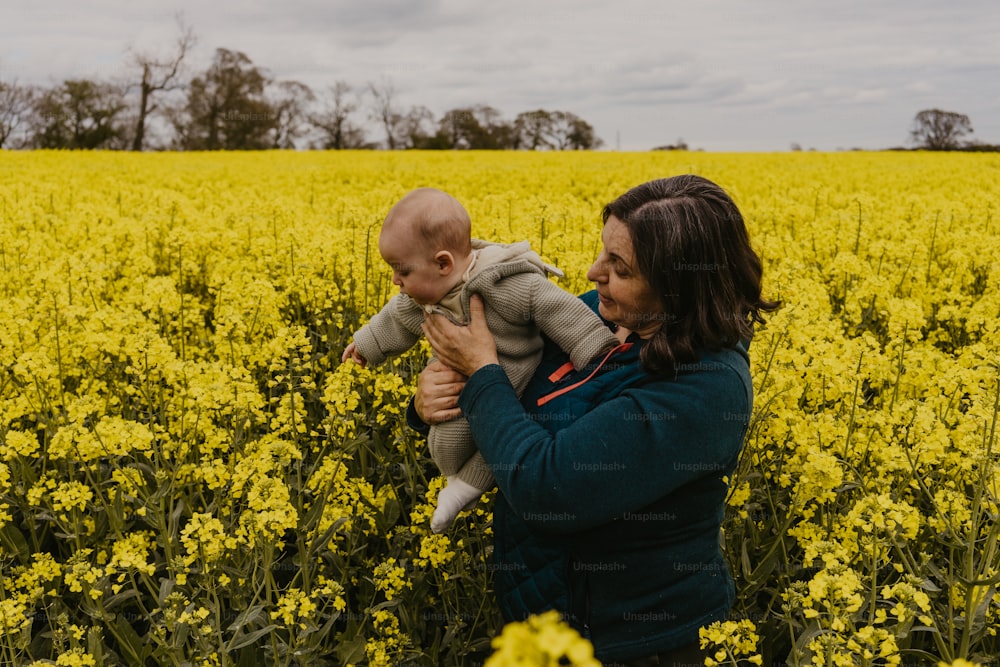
352 353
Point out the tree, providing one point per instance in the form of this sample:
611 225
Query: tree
15 107
938 130
454 128
334 120
494 132
290 102
79 113
478 127
532 129
158 75
570 132
226 107
681 145
383 110
501 132
461 128
417 128
556 130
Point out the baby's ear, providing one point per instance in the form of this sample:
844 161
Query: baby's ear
445 262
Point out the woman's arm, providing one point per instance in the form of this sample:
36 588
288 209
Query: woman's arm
627 452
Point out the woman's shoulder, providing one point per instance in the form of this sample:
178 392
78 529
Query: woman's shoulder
718 382
721 369
735 358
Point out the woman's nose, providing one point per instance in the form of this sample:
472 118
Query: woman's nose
596 271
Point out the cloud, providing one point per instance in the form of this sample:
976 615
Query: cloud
920 87
725 69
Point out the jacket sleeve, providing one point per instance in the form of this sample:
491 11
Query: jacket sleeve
570 323
626 453
562 316
391 331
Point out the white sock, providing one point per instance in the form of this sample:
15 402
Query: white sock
451 500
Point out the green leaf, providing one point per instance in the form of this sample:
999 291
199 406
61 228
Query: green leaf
116 600
351 651
245 640
391 512
130 642
251 614
13 540
166 586
388 604
95 645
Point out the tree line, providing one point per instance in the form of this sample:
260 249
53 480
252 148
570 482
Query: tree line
235 105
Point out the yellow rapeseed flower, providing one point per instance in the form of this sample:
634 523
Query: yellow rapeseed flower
543 640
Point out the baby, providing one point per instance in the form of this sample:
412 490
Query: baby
426 239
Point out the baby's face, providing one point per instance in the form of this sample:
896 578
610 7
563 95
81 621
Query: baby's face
414 269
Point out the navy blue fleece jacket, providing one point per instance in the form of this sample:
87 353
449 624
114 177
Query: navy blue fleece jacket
612 493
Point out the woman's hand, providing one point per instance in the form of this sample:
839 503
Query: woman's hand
438 388
464 349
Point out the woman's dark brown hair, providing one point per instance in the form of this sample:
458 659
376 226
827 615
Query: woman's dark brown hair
692 245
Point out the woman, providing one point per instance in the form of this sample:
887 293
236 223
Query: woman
612 479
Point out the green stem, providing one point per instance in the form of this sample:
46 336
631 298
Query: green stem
971 573
854 407
899 369
217 605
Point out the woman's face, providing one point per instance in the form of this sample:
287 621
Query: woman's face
626 297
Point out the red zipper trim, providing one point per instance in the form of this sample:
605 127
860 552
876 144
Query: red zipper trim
561 372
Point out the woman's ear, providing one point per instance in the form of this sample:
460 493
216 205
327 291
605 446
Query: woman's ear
445 262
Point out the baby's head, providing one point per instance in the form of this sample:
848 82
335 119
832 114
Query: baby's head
426 239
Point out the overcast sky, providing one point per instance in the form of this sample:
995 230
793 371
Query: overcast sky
723 75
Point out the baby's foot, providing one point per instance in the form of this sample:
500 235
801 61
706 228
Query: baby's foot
452 499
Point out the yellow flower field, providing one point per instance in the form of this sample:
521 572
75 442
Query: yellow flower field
189 475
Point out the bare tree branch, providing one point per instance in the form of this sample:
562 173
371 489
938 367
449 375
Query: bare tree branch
158 75
383 110
333 120
15 104
290 102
